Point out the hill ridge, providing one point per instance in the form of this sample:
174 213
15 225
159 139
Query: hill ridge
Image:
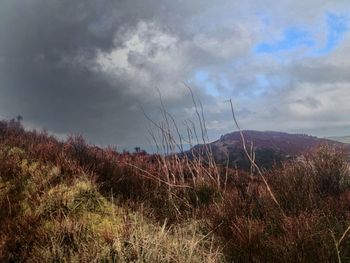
270 147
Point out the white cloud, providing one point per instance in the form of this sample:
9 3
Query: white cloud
101 59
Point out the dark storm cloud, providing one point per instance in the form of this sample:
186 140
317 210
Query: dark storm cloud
48 51
87 66
50 72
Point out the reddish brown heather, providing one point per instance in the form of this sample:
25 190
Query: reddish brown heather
235 208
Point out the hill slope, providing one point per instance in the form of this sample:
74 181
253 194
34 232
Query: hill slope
74 202
57 205
269 147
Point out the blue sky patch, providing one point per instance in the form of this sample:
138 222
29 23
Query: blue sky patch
201 77
334 27
293 37
338 25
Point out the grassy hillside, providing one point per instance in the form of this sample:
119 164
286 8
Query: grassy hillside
53 210
270 148
73 202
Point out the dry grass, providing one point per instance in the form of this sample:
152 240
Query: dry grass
55 211
73 202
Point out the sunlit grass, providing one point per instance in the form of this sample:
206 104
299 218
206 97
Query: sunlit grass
72 202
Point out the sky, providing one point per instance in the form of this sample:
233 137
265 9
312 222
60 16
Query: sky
93 67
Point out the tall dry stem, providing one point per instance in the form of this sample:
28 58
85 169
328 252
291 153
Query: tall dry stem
252 159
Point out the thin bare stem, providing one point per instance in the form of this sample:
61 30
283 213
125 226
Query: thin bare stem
336 244
343 236
150 176
252 160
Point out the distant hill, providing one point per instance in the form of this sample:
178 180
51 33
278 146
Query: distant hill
270 147
343 139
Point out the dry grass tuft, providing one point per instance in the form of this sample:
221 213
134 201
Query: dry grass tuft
74 202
